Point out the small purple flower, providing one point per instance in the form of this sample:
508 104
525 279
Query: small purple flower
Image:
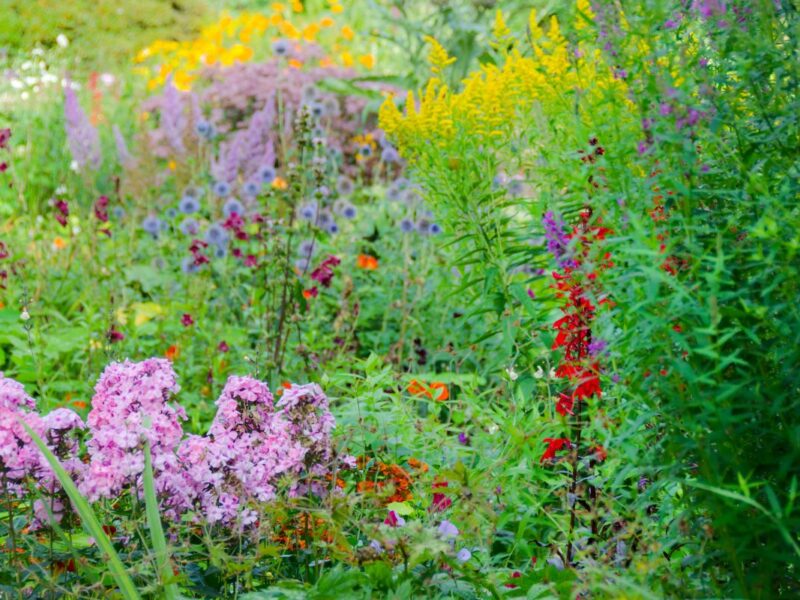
597 347
463 555
557 238
447 529
463 439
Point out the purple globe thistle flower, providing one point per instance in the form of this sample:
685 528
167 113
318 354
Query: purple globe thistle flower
332 227
281 47
345 186
152 225
205 130
324 219
349 211
365 150
233 206
216 234
407 225
171 213
192 191
435 229
266 174
411 196
251 189
221 188
424 226
118 212
307 248
316 109
188 266
189 205
189 226
390 155
308 212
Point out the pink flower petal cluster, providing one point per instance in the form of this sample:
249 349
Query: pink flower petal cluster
249 446
61 430
253 449
19 458
130 407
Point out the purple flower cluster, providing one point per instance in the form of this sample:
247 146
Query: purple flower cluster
21 463
557 239
248 447
253 449
19 457
84 140
130 407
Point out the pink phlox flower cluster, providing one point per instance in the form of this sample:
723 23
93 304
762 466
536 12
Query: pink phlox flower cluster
253 449
249 446
306 407
62 430
19 457
129 407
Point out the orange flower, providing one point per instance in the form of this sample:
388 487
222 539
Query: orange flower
418 465
172 352
415 388
59 243
444 392
279 183
365 261
418 388
80 404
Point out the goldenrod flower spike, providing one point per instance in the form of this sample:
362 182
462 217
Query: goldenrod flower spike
500 31
438 57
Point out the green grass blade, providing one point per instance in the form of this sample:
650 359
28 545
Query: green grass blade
159 542
88 519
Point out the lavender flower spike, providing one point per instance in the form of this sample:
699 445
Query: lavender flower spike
84 141
557 239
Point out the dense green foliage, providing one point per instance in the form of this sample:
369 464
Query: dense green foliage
560 337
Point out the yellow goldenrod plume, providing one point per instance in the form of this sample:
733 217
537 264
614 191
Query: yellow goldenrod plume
437 56
533 26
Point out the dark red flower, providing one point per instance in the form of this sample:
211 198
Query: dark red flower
101 209
600 453
114 335
394 520
223 346
62 211
440 501
554 445
564 404
324 272
250 261
514 575
187 320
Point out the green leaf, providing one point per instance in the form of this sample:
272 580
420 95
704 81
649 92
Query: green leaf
156 529
88 518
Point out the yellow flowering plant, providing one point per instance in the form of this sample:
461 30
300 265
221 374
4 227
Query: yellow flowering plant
248 36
